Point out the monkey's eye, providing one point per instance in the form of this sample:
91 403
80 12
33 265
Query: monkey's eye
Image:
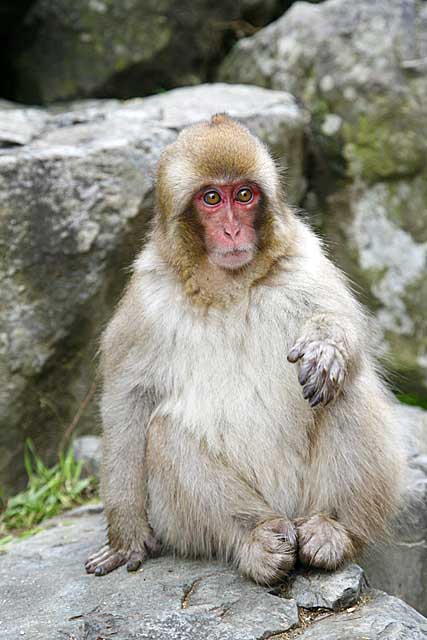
244 195
212 197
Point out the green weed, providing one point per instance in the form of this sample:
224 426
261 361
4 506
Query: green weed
413 400
50 490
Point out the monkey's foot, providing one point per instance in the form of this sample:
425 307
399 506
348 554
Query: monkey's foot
270 552
322 369
323 542
108 559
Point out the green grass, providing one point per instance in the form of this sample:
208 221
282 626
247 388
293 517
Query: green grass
413 400
50 490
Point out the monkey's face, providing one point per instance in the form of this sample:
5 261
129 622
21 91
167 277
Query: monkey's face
228 215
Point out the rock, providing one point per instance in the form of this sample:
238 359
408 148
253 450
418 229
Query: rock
20 126
257 614
45 593
381 616
321 590
125 48
361 70
87 449
74 205
399 565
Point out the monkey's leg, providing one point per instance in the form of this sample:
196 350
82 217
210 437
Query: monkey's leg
354 482
200 506
123 486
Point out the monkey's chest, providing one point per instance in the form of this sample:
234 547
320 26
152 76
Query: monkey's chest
227 378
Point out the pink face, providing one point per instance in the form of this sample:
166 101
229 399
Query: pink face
227 213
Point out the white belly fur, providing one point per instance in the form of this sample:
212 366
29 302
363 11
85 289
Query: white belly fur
227 382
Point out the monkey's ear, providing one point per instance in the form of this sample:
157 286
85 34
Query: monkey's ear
221 118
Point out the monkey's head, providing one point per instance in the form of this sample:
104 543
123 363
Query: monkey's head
218 198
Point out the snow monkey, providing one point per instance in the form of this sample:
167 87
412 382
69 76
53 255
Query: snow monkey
243 415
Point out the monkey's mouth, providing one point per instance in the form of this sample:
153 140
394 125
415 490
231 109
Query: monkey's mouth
233 258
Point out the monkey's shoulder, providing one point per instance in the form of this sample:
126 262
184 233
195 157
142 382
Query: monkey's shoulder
155 307
299 285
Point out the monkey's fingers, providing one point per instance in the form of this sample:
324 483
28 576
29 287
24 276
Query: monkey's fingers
135 560
114 559
104 561
152 546
313 368
94 560
321 393
306 370
321 373
97 555
284 530
297 350
320 390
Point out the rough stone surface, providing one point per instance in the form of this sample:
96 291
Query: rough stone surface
125 48
19 126
74 205
399 566
321 590
381 617
361 70
44 594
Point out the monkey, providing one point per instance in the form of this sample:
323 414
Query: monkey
244 414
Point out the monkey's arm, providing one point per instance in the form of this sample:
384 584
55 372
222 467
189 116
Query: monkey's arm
123 485
334 330
126 408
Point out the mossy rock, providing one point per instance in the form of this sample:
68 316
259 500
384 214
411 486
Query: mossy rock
124 48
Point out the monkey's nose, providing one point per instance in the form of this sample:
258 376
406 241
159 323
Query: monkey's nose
232 232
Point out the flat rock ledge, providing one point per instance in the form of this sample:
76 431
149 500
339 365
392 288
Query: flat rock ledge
45 594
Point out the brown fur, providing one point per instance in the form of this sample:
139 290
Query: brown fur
215 151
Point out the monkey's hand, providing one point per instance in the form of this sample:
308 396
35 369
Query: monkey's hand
322 369
107 559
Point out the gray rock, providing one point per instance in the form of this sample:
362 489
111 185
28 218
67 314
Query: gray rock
380 617
321 590
87 449
44 594
20 126
74 205
414 425
258 614
169 598
361 70
399 565
125 48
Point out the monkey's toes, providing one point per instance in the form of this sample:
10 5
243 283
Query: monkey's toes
135 561
323 543
152 546
271 551
105 561
277 532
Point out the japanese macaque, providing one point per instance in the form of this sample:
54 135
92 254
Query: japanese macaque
243 415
